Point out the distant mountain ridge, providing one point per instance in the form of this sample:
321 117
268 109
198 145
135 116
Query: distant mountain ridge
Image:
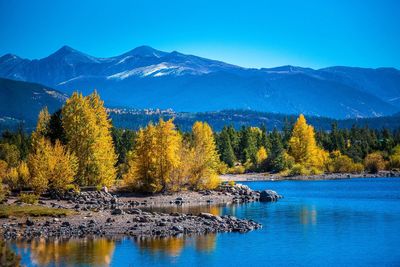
148 78
22 101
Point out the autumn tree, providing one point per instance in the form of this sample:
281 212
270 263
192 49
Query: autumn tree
51 167
261 157
42 126
10 154
156 158
303 147
87 131
374 162
342 164
205 158
140 174
395 157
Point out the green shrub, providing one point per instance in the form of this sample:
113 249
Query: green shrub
28 198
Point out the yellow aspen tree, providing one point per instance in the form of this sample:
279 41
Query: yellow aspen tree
156 158
205 161
51 167
261 155
38 162
42 126
12 178
168 146
104 151
87 130
63 165
303 147
3 168
23 174
141 165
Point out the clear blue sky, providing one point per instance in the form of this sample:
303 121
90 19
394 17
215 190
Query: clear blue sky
249 33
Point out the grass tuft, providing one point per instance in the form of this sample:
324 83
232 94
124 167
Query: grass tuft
32 210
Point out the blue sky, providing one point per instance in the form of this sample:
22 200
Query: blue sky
260 33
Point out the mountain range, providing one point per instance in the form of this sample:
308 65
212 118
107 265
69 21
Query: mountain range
22 101
148 78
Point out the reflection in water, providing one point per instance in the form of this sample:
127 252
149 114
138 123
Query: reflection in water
172 246
68 252
192 209
308 216
206 243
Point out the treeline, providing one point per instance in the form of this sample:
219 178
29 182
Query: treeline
293 149
239 118
77 146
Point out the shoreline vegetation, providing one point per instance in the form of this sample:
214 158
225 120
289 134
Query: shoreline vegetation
49 171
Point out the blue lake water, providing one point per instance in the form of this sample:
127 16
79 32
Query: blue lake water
353 222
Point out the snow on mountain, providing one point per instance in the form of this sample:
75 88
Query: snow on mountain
148 78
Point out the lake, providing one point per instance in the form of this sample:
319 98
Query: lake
353 222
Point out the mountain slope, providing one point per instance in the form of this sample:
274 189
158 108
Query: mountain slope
148 78
23 100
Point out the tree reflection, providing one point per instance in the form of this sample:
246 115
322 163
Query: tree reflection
170 245
206 243
308 215
173 246
97 252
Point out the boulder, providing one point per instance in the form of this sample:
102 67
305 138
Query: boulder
269 195
117 212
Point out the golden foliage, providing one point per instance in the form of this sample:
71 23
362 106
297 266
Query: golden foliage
261 155
42 126
162 161
341 163
374 162
51 166
304 150
395 157
156 160
3 169
10 154
205 159
87 130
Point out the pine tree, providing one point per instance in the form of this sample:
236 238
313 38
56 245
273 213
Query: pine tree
225 148
276 157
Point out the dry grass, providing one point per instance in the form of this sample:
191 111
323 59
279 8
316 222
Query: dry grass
32 210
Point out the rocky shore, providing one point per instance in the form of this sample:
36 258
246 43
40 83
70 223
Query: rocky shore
100 213
326 176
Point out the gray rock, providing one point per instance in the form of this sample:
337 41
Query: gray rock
117 212
29 222
177 228
269 195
